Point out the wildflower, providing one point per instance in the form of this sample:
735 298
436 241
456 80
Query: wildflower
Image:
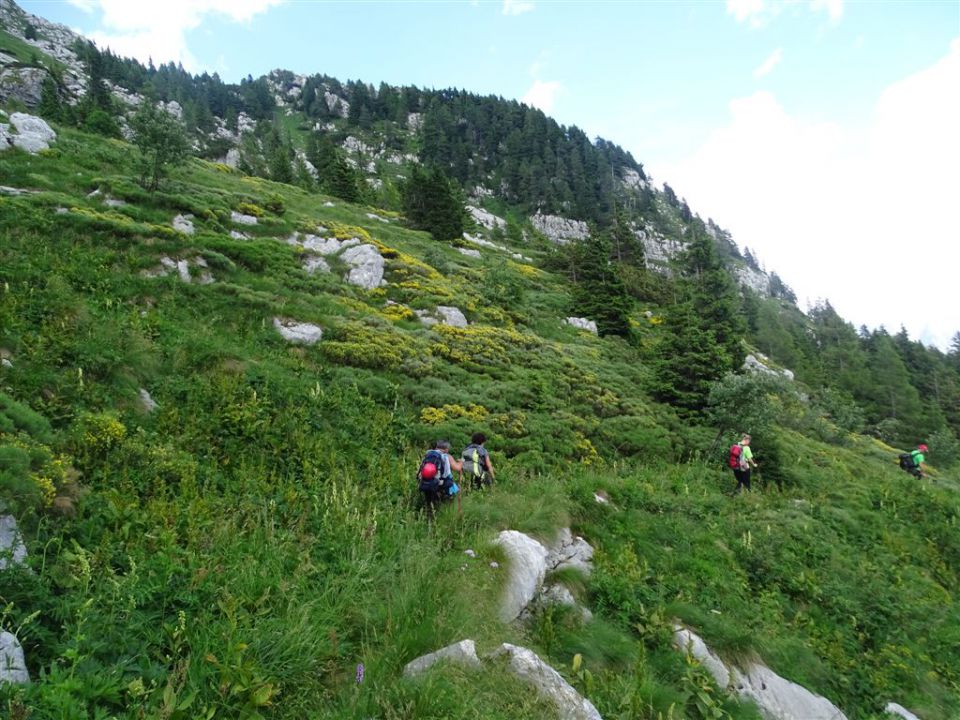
360 671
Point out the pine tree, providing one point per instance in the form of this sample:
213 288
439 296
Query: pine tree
599 292
50 106
432 202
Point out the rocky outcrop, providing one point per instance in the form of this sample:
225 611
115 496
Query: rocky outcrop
570 552
548 683
483 242
469 252
296 332
527 562
559 229
752 364
147 403
632 179
582 324
200 273
484 218
13 667
756 280
314 263
242 219
776 697
658 250
22 84
461 653
12 549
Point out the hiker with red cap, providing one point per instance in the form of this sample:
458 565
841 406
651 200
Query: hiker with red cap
913 461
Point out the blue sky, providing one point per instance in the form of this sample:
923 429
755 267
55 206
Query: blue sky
821 133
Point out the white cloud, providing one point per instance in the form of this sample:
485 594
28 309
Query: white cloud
517 7
859 215
757 13
767 66
157 30
542 94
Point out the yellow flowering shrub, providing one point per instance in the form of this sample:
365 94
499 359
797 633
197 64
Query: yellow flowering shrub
481 343
102 431
585 451
247 208
437 415
398 312
361 345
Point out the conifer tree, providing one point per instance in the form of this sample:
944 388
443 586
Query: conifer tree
599 291
432 202
161 141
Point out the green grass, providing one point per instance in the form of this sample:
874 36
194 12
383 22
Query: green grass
27 54
241 550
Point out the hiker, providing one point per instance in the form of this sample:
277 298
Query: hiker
476 462
448 488
913 461
430 478
741 460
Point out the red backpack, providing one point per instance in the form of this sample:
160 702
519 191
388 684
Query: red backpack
735 452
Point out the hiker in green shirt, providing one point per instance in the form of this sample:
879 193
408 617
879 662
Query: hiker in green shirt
913 461
746 462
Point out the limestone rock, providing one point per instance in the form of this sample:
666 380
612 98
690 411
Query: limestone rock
5 362
237 235
22 84
374 216
757 281
893 708
469 252
147 403
113 202
559 229
553 595
689 642
242 219
570 552
753 364
12 549
485 218
184 223
549 684
298 332
780 699
366 266
314 263
582 324
13 667
527 568
414 121
461 653
232 158
32 133
452 316
631 178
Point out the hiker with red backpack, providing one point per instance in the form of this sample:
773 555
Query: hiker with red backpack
435 476
741 460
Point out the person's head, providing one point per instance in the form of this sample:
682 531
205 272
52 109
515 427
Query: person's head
443 446
922 448
745 440
478 438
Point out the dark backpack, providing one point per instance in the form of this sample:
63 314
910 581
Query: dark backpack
435 457
735 452
907 461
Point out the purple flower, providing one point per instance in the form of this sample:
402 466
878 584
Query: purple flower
359 673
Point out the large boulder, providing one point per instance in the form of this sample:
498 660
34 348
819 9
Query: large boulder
569 551
300 333
12 549
461 653
549 684
27 132
13 668
184 223
582 324
367 265
527 566
690 643
779 699
22 84
893 708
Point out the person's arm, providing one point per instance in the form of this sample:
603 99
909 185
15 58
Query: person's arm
455 464
490 467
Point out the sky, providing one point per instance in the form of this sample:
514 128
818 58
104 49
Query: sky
823 134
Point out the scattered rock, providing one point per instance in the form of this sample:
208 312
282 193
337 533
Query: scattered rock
182 268
366 266
184 223
6 363
484 218
328 204
33 133
893 708
23 84
13 667
526 570
582 324
374 216
12 549
494 564
752 364
756 280
558 595
7 190
548 683
469 553
469 252
601 497
242 219
690 643
461 653
147 403
236 235
298 332
232 158
570 552
113 202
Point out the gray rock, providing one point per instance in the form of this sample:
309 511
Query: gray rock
113 202
232 158
147 403
570 552
366 266
893 708
32 125
485 218
549 684
314 263
780 699
527 566
29 143
6 140
242 219
559 229
184 223
374 216
4 362
690 643
461 653
658 250
15 192
183 269
328 204
22 84
298 332
753 364
452 316
470 553
469 252
12 549
236 235
757 281
13 667
582 324
558 595
414 121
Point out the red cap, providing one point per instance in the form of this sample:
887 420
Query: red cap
921 447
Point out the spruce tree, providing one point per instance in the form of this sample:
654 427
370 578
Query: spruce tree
432 202
599 292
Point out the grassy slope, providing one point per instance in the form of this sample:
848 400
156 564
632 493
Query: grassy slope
242 549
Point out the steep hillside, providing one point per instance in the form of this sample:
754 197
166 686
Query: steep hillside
239 548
